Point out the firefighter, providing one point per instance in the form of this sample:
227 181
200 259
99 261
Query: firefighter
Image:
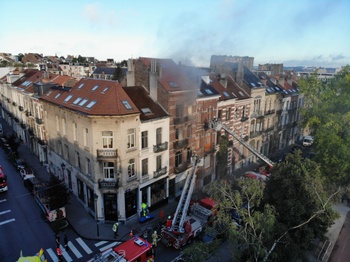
169 223
59 253
115 229
154 238
144 209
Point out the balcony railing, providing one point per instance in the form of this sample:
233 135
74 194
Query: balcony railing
39 121
257 114
107 153
181 143
255 134
160 172
270 112
21 108
104 184
244 118
180 120
160 147
180 168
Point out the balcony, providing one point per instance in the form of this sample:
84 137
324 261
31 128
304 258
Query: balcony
257 114
160 147
180 168
181 143
180 120
28 114
270 112
279 112
104 184
269 129
107 154
255 134
160 172
244 118
21 108
14 103
39 121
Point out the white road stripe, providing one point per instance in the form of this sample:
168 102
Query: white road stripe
84 246
74 250
100 243
109 246
4 212
52 255
65 254
3 200
7 221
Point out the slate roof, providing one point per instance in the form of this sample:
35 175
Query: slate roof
271 87
231 91
105 70
93 97
148 108
251 79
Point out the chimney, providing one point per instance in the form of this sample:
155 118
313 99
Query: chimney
206 79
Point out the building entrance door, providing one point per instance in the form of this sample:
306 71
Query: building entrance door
110 206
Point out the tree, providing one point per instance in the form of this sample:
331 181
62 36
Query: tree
303 209
327 113
222 157
58 193
118 74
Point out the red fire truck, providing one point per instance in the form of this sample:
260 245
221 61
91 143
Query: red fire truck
3 181
136 249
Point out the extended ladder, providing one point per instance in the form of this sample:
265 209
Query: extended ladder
182 207
217 125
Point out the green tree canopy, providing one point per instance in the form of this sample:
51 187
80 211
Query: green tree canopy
57 193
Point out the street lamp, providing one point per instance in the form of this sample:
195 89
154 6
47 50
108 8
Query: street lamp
97 228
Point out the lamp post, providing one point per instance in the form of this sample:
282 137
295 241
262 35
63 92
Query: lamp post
96 218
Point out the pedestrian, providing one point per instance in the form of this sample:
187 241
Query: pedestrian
59 253
169 223
65 239
57 239
115 229
154 238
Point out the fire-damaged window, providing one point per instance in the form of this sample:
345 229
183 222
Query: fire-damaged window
178 158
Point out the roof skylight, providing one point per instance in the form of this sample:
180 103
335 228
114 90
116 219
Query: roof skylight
95 87
76 101
67 98
208 91
146 110
91 104
225 93
56 96
105 90
126 104
80 86
83 102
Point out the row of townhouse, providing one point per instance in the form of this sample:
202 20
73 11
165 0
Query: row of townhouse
117 147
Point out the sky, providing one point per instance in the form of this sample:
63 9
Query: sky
297 32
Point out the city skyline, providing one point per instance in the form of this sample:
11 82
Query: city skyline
298 33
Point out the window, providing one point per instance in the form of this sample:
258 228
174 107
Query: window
144 166
75 131
88 166
257 104
179 110
108 170
126 104
237 113
159 136
178 159
77 159
159 162
66 152
228 113
219 114
131 168
57 124
244 111
189 131
64 126
144 139
131 138
59 147
86 137
107 139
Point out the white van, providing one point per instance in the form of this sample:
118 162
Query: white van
308 141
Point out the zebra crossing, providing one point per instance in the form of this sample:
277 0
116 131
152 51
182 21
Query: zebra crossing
78 249
8 211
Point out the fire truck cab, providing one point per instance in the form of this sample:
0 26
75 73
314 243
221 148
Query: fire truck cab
136 249
3 181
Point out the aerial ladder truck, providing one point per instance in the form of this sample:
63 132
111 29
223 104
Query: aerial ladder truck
217 125
186 224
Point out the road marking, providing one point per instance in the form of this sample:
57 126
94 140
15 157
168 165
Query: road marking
84 246
4 212
74 250
52 254
3 200
100 243
7 221
109 246
65 254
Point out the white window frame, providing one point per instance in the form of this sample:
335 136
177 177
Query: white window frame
107 139
131 169
131 138
108 170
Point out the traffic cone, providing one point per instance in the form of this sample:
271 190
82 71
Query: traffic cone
131 233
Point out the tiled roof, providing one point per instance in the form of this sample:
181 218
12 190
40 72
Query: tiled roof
231 91
26 81
148 108
93 97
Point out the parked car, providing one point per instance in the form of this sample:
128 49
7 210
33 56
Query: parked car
308 141
26 173
19 163
255 175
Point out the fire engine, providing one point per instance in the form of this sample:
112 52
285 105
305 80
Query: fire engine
188 222
3 181
136 249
